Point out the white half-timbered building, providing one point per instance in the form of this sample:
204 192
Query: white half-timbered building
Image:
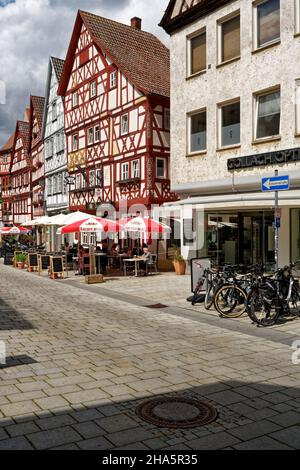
37 158
56 192
115 84
6 216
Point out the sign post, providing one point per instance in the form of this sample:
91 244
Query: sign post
276 184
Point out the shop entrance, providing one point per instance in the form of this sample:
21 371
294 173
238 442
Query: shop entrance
240 238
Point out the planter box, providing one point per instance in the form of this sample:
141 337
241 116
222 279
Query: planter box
94 279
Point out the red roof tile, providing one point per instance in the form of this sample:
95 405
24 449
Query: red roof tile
58 65
38 104
143 58
9 144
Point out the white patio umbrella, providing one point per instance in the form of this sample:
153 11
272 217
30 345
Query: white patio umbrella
67 219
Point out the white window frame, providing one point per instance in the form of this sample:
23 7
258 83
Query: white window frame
219 110
93 89
98 178
92 176
78 182
220 24
297 16
135 169
189 52
125 171
75 139
256 4
297 107
90 136
75 99
113 79
123 120
256 97
165 168
95 133
189 132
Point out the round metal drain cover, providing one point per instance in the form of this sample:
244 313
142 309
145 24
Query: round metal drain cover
177 412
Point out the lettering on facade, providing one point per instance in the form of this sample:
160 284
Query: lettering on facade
263 159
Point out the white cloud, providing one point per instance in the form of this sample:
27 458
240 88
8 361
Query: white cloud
32 30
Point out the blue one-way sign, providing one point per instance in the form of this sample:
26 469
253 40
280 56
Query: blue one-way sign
276 183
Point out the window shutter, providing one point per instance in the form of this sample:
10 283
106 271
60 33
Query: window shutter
231 39
198 53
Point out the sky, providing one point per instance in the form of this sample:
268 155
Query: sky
32 30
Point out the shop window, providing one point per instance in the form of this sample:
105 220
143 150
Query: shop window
197 53
268 115
230 124
197 132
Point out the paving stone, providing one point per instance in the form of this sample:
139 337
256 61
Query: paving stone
97 443
51 403
54 438
86 415
88 429
213 442
21 429
253 430
289 436
122 438
262 443
55 422
15 409
290 418
15 443
227 397
155 443
116 423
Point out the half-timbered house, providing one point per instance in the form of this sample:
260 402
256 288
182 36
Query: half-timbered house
56 194
115 84
36 150
6 216
20 172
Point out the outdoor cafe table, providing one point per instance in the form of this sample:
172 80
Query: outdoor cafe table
136 262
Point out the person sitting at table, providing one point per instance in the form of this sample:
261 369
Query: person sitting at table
115 249
145 259
137 251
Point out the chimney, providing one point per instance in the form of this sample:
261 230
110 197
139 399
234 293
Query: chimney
136 23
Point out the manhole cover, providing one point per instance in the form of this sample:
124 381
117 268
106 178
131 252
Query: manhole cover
178 412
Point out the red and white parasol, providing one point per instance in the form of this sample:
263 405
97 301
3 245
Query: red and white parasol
143 225
13 231
91 225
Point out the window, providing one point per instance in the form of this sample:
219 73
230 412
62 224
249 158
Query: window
197 53
78 182
92 178
197 132
160 168
98 177
267 19
297 100
54 187
230 46
113 79
93 89
51 145
75 143
230 124
59 183
64 189
124 124
97 133
167 119
135 169
268 114
297 16
49 188
54 111
90 136
125 171
75 99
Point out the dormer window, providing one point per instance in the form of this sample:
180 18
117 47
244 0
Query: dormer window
113 79
93 89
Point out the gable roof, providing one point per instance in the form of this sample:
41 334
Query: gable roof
195 10
22 132
8 145
57 66
37 105
142 57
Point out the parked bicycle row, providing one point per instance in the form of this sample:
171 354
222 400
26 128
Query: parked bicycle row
238 290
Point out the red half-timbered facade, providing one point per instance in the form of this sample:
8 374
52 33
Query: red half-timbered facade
117 114
20 173
6 216
37 160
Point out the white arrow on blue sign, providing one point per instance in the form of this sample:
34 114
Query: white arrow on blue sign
276 183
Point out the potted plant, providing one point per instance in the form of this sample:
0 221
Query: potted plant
179 262
20 260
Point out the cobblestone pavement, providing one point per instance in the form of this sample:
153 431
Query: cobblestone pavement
82 358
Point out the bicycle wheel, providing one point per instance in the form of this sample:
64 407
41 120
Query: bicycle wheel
230 301
263 310
209 296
